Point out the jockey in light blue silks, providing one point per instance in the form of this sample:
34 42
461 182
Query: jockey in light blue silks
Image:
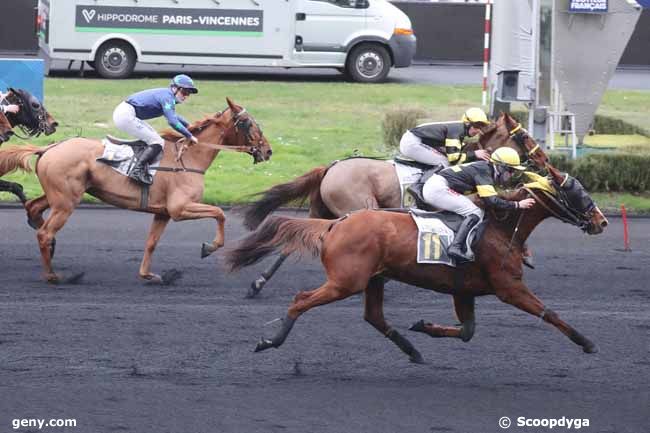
129 117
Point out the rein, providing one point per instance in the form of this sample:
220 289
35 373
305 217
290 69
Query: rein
568 217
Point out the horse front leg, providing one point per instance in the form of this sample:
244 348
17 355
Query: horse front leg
193 211
464 307
374 314
155 232
14 188
521 297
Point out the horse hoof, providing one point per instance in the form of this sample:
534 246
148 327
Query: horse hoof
416 358
152 278
206 250
256 287
171 276
417 326
52 278
32 224
263 344
76 278
590 348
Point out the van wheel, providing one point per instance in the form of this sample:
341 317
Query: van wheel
115 59
368 63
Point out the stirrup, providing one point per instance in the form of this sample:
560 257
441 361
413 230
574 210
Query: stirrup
458 255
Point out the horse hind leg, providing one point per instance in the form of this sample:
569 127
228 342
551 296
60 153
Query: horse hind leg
45 236
317 210
464 307
257 285
374 314
35 209
302 302
157 228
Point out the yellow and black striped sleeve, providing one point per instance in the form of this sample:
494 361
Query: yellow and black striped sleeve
455 155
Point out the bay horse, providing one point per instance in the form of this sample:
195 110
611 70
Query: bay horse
68 169
357 252
364 183
32 119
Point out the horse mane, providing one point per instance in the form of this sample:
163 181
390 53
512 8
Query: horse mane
173 135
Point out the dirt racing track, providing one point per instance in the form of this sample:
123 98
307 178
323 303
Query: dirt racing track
119 355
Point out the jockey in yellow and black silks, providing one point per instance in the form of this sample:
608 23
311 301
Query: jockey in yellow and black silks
446 190
441 143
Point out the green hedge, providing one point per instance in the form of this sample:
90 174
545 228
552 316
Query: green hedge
602 125
606 172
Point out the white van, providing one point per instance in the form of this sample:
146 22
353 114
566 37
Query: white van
361 37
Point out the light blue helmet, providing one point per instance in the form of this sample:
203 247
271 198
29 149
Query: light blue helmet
183 81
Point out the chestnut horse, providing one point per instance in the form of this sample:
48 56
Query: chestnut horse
360 250
362 183
32 119
68 169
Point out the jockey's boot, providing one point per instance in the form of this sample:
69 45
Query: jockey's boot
139 170
457 248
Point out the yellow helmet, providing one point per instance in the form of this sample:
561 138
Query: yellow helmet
475 115
507 156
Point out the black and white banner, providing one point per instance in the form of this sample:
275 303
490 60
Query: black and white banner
159 19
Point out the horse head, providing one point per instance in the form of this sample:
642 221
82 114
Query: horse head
564 197
508 132
32 118
244 132
5 129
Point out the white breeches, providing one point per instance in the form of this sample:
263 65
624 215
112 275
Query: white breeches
437 193
125 121
411 146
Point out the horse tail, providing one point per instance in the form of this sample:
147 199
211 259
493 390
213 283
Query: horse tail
17 158
290 234
305 186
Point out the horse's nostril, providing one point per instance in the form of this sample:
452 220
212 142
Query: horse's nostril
270 152
604 224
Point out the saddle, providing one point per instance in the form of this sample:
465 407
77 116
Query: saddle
122 142
436 232
401 159
415 189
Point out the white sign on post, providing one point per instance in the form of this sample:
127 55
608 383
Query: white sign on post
588 6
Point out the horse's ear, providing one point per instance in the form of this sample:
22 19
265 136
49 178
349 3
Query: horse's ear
556 174
233 107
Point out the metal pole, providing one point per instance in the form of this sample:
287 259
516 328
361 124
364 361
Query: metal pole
486 50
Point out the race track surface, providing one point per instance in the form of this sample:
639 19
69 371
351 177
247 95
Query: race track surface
119 355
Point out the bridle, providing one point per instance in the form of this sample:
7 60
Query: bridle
520 135
39 114
563 211
242 124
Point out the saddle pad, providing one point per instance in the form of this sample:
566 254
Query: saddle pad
407 176
435 237
119 157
